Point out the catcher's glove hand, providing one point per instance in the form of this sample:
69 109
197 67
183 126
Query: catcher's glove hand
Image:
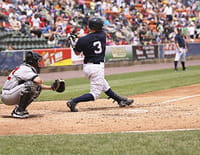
58 85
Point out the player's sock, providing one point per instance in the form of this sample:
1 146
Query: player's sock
113 95
183 65
84 98
120 100
175 65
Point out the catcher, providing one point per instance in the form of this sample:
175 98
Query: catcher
24 85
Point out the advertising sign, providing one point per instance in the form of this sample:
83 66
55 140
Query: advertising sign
55 57
119 52
169 50
77 60
144 52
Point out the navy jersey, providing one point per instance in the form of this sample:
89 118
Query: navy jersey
180 40
93 47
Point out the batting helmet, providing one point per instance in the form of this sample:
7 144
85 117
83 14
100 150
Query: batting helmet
33 59
95 24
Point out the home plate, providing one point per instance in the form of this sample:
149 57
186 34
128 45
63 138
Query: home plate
136 110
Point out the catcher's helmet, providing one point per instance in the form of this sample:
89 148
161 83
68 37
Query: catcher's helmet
33 59
95 24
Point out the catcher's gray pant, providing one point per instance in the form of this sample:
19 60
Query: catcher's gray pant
12 96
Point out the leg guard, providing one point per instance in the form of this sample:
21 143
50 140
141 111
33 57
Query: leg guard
30 92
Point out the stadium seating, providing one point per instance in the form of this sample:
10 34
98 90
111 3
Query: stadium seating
20 41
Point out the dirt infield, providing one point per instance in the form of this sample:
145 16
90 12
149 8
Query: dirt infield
177 108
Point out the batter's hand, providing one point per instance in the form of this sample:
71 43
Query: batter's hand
73 39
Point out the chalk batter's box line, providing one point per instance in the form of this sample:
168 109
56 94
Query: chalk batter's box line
179 99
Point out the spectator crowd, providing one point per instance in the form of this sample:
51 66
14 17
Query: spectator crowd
125 21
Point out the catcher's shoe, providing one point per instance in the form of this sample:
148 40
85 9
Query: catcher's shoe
20 114
72 106
125 102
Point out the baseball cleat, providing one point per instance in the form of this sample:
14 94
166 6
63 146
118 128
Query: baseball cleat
72 106
125 102
18 114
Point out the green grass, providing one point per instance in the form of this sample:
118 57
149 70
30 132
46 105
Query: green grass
160 143
129 83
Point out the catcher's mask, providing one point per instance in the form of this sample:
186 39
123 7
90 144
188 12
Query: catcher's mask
33 59
95 24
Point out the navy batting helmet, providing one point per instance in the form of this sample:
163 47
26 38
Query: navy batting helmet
95 23
33 59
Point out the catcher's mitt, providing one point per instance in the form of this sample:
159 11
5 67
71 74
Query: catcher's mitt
58 85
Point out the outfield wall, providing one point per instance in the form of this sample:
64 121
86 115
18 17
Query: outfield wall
59 59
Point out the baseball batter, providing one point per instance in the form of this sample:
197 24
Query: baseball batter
93 47
24 85
181 50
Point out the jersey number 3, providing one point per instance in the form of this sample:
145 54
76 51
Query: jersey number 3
98 45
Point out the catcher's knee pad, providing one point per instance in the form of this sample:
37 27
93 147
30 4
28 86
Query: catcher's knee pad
31 89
